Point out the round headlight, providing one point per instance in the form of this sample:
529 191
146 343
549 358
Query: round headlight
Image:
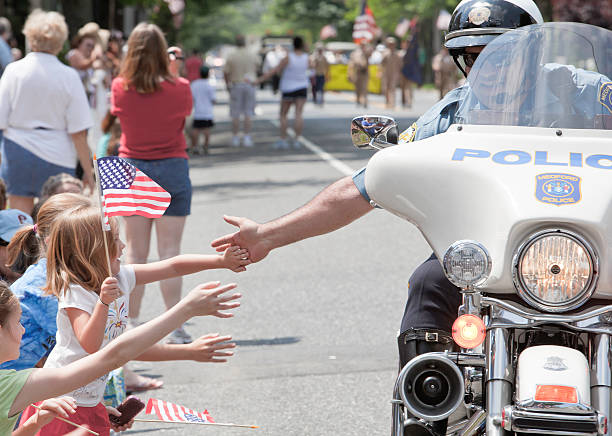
555 270
466 264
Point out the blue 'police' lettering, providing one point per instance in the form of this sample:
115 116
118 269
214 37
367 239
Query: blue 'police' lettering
521 157
576 159
460 153
595 161
541 158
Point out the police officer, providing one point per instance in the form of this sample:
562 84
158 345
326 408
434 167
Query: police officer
432 300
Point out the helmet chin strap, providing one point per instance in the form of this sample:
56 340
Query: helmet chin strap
456 59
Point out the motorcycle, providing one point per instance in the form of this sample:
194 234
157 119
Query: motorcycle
525 171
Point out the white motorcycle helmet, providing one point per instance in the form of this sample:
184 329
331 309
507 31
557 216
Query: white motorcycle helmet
475 23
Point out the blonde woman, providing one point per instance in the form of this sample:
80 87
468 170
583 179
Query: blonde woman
44 114
151 104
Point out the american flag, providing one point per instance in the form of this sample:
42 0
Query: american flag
128 191
365 28
171 412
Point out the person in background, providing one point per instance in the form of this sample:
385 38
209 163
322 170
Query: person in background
44 114
203 99
358 71
445 74
83 55
114 53
192 66
6 57
108 145
240 72
54 185
411 70
271 61
321 73
391 65
152 104
176 58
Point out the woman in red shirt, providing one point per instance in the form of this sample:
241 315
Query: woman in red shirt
151 105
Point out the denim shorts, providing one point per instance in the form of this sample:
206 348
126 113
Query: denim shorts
173 175
23 172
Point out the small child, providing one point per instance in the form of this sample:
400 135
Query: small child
93 310
203 100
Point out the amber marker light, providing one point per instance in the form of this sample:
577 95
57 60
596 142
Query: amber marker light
469 331
557 394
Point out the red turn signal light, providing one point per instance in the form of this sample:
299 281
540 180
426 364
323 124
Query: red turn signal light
469 331
557 394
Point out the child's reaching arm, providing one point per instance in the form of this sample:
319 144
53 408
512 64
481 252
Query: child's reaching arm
89 328
207 348
234 258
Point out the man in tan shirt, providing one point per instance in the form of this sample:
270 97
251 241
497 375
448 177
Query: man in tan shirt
391 65
240 73
320 65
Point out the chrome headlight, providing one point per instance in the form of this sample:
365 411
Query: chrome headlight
555 270
466 264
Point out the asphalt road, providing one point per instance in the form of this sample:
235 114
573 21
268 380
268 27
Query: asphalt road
317 328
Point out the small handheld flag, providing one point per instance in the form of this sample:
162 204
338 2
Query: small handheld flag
128 191
170 412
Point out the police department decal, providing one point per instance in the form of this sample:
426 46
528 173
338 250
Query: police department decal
605 95
479 15
408 134
557 188
554 363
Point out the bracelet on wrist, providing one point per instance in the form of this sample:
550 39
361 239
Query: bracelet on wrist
100 300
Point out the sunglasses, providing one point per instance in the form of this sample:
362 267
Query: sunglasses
469 59
3 243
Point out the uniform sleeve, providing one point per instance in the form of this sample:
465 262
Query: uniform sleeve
78 114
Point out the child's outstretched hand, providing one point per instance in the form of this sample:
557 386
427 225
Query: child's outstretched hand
118 428
52 408
109 291
210 348
210 299
236 258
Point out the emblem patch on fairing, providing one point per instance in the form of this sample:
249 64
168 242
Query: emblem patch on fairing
479 15
554 363
557 188
408 134
605 95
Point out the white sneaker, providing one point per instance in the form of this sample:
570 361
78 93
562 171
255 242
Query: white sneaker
281 144
179 336
235 141
247 141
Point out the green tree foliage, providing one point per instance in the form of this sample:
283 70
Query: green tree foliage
307 17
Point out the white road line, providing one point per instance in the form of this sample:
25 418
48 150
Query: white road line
337 164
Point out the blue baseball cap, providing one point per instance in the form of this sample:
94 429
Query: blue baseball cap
12 220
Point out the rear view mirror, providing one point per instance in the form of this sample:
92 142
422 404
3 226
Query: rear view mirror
374 131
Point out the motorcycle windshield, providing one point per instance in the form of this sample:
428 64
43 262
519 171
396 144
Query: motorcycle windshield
553 75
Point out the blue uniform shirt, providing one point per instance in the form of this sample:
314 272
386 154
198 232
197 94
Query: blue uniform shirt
433 122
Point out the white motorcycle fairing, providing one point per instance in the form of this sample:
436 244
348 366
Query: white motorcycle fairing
546 365
485 183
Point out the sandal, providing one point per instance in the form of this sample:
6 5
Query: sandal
139 383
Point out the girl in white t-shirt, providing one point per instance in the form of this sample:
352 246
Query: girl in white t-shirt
93 308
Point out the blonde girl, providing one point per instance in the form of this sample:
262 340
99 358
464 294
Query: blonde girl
18 389
93 308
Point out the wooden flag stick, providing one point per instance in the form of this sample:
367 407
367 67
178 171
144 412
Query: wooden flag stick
199 423
70 422
99 189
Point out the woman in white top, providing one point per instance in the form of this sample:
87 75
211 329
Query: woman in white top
44 114
293 86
